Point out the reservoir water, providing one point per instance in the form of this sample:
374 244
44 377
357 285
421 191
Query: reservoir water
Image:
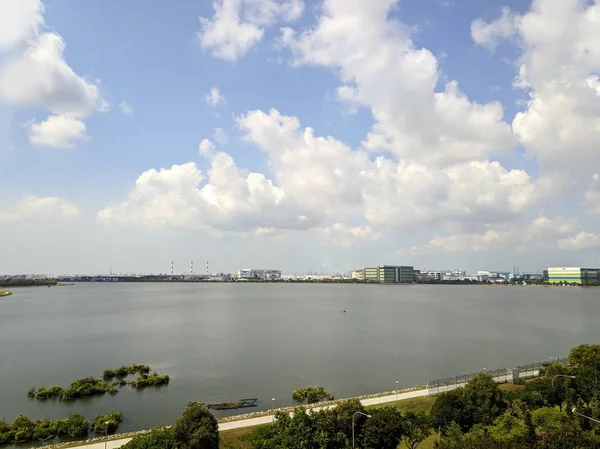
224 342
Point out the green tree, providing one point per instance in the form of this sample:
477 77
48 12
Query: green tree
508 428
161 438
383 430
530 434
417 427
343 413
483 400
197 428
449 408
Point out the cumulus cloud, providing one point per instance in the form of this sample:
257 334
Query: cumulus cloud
558 68
220 136
20 20
33 206
490 33
214 97
57 131
206 148
39 77
126 108
238 25
581 240
316 179
541 232
231 199
380 67
340 234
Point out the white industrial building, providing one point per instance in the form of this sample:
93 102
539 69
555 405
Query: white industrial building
260 274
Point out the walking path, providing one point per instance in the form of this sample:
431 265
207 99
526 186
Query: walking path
250 422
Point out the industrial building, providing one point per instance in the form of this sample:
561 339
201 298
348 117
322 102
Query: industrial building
260 274
575 275
390 274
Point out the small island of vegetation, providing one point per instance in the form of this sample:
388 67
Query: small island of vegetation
88 386
99 425
24 282
91 386
125 371
311 394
5 293
150 380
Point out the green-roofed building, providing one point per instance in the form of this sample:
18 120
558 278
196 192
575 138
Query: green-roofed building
388 274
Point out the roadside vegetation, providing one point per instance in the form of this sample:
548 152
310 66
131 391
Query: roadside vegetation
196 428
312 395
23 429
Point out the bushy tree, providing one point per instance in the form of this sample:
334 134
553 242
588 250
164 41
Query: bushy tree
448 408
417 427
383 430
197 428
161 438
343 412
482 399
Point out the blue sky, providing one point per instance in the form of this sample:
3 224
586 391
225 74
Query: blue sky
416 171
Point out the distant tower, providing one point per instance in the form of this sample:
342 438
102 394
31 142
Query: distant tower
207 267
192 267
171 268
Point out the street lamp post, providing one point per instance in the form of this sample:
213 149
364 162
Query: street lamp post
106 423
356 413
560 375
396 390
273 408
575 412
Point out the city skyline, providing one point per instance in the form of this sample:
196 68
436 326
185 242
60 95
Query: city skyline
298 135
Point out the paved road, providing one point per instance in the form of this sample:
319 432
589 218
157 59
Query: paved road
269 418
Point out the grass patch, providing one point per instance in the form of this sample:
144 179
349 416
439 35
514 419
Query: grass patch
511 387
421 404
237 438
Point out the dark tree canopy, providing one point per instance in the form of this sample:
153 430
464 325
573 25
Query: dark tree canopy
197 428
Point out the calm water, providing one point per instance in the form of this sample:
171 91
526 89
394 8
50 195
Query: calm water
223 342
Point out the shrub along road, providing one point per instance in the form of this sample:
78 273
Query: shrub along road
251 422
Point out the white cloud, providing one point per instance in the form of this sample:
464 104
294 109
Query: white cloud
582 240
559 67
490 33
20 20
126 108
37 76
541 232
325 175
57 131
232 199
380 67
33 206
220 136
345 236
41 77
238 25
214 97
206 148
